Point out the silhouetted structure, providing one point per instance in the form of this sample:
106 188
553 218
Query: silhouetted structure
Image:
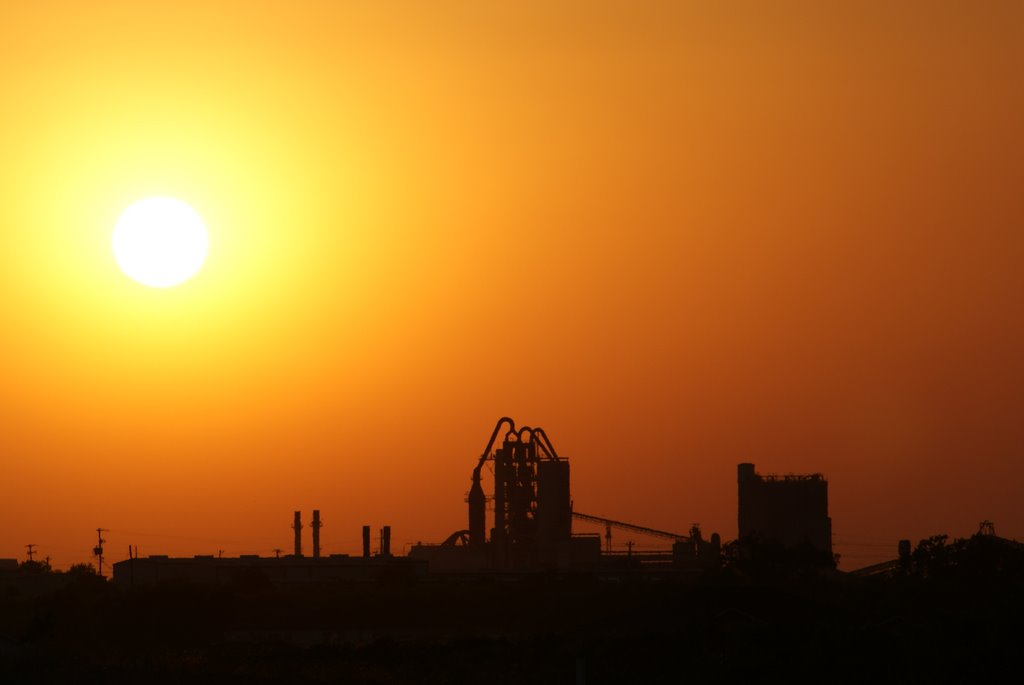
687 550
212 569
533 514
532 520
316 533
790 509
531 530
208 568
983 554
98 549
297 527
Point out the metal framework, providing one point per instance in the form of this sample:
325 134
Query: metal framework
630 526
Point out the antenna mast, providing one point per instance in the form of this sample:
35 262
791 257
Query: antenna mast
98 549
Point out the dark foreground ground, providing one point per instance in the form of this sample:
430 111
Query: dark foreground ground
720 627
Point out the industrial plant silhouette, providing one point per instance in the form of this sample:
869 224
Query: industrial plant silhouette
531 529
517 596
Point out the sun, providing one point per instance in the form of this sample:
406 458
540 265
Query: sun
160 242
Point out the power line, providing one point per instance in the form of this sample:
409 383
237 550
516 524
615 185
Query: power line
862 544
190 538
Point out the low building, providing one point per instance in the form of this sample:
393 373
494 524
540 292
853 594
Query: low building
289 569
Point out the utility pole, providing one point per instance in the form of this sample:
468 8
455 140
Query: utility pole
31 551
132 555
98 549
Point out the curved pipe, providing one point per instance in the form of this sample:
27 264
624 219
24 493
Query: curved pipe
490 444
541 440
533 432
546 443
456 537
537 436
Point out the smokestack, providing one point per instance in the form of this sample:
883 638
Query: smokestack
366 542
316 533
297 526
385 541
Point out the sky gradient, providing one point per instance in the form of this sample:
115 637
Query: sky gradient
676 237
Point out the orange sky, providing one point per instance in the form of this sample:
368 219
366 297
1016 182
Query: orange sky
676 237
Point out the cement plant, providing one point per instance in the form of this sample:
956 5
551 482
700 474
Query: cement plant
515 595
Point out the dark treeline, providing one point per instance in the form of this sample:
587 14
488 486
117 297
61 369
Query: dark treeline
948 611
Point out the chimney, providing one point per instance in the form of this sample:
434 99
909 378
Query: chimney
366 542
316 533
385 541
297 526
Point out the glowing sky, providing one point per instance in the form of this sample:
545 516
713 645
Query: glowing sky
676 237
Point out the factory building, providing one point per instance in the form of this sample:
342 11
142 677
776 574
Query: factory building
531 527
791 509
291 569
523 524
532 511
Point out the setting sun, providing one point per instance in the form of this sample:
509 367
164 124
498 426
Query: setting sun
160 242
